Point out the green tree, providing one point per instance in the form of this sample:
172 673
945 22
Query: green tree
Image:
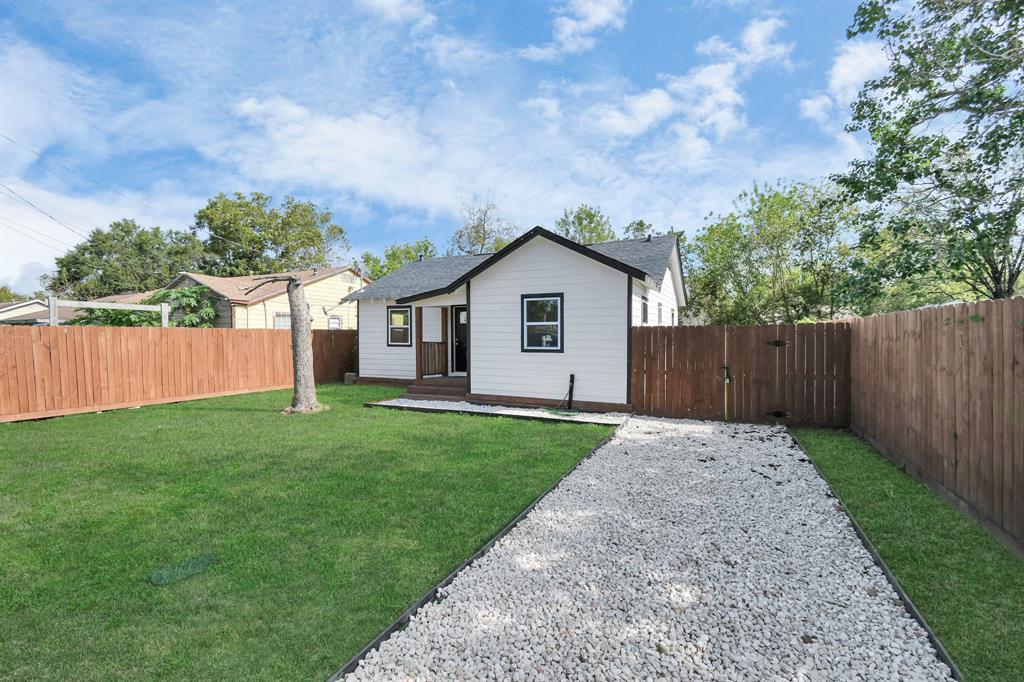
395 256
638 229
9 295
189 307
482 230
248 235
782 256
945 184
585 225
124 258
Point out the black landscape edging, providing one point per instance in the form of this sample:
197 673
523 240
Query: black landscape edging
430 594
908 603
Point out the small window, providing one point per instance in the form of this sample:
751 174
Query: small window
399 326
542 323
643 310
659 313
334 322
282 321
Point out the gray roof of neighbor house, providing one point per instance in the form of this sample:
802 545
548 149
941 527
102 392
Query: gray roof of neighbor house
648 256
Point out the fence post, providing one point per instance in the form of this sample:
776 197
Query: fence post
51 304
165 314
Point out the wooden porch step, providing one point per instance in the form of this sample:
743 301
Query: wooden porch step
439 389
441 381
447 397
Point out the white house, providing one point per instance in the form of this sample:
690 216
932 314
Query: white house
514 326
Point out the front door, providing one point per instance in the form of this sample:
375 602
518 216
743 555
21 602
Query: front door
460 337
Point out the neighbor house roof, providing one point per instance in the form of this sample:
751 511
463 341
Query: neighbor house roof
42 316
137 297
18 304
433 276
237 289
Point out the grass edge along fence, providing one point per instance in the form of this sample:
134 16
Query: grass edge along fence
940 391
54 371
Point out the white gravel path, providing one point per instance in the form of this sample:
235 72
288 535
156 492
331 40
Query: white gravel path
680 550
463 406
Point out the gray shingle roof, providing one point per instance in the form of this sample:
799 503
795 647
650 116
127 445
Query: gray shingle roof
419 276
649 256
431 274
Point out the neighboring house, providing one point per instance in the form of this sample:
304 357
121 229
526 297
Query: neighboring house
15 312
38 314
239 306
522 320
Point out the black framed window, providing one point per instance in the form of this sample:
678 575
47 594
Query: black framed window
542 323
643 310
399 325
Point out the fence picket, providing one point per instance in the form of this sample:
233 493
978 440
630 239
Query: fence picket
49 371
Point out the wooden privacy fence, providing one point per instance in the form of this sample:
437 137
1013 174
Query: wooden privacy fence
941 391
52 371
794 374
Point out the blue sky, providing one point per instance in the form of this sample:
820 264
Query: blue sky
395 114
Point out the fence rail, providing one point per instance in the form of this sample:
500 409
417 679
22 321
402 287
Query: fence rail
52 371
941 391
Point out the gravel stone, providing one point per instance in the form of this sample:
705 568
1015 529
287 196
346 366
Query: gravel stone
679 550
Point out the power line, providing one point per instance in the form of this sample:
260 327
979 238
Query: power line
254 249
86 177
38 241
76 230
13 222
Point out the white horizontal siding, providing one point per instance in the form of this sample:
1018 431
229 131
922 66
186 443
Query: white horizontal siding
666 295
594 340
376 357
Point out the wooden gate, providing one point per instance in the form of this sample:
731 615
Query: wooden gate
798 374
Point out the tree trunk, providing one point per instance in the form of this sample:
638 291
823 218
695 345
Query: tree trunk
304 399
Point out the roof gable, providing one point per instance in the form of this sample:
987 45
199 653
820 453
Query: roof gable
640 258
238 289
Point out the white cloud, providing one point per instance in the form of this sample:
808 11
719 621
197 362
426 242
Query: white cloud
856 62
711 95
454 53
817 108
549 108
636 115
401 11
758 44
575 26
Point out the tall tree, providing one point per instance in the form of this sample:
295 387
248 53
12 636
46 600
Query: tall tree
945 184
248 234
782 256
638 229
124 258
586 225
482 230
395 256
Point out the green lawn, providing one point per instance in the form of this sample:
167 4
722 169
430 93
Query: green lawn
968 586
326 527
